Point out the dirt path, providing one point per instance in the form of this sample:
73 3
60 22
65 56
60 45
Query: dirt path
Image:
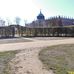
34 44
27 62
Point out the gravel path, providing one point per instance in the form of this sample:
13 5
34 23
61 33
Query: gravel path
27 62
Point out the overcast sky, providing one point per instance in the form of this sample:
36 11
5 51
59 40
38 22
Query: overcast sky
29 9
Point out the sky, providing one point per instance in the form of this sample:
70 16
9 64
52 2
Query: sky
27 10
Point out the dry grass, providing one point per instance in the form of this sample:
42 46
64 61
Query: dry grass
59 58
5 57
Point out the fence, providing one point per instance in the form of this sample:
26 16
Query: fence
54 31
7 32
20 31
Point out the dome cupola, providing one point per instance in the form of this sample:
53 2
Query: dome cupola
40 16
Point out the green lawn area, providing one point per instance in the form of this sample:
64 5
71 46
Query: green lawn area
5 57
59 58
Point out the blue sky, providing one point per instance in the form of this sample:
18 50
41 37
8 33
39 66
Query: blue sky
58 7
29 9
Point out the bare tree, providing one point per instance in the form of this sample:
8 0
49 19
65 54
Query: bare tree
25 21
8 21
17 20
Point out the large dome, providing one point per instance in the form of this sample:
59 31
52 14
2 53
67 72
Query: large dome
40 16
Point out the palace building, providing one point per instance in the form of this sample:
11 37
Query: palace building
41 22
54 26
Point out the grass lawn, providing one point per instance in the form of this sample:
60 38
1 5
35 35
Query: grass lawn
59 58
5 57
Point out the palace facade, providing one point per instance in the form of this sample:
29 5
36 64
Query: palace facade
41 22
55 26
